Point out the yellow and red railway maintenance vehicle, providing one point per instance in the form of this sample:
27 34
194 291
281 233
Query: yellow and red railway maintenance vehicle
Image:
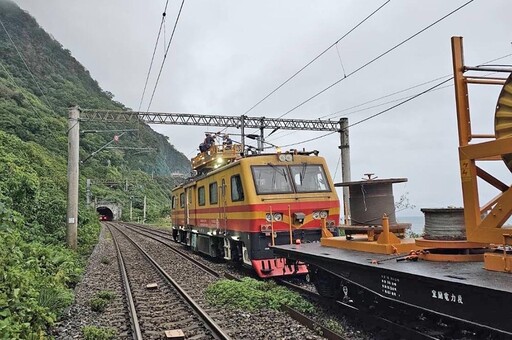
237 207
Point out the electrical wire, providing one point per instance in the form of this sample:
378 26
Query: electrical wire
377 58
376 114
341 62
154 52
9 75
385 96
26 66
394 93
401 103
165 55
315 58
377 99
337 166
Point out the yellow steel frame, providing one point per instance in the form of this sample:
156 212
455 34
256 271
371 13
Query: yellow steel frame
483 223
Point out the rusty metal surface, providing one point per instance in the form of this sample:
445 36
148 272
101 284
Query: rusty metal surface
311 324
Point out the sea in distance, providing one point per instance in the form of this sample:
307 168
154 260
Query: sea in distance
418 223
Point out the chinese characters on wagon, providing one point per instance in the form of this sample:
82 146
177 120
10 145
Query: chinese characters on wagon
450 297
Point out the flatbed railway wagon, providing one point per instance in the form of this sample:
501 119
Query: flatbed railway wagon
238 207
460 275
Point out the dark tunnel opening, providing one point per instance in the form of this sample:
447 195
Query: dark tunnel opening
105 214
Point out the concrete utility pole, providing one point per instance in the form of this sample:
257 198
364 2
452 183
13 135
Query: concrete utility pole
131 208
73 149
144 216
345 166
88 192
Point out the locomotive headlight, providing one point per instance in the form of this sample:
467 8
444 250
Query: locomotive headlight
323 214
282 157
316 215
278 217
288 157
268 217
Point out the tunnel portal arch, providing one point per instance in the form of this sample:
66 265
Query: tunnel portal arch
108 211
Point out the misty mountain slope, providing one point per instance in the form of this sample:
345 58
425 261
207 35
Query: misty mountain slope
33 107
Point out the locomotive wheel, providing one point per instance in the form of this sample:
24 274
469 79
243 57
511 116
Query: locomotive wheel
327 284
503 117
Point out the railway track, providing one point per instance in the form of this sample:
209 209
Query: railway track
200 270
150 314
164 238
421 328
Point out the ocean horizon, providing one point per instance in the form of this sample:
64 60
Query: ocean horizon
418 223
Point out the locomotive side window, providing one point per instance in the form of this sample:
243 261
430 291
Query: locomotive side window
309 178
271 179
182 200
214 197
237 191
201 196
173 202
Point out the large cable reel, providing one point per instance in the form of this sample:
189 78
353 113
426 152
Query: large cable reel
503 117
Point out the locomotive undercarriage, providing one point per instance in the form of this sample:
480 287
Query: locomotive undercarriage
249 249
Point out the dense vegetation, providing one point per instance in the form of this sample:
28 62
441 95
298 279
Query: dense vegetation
37 272
250 294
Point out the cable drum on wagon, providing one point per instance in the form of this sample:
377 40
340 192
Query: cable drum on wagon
503 117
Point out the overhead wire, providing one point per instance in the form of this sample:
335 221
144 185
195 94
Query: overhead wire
162 22
26 66
36 112
394 93
377 58
341 62
315 58
399 104
337 166
385 96
376 114
10 76
405 99
165 55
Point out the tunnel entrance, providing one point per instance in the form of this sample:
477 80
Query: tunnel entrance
105 214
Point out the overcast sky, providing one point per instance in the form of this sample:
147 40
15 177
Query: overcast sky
227 55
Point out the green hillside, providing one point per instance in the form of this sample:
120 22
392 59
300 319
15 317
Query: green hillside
37 272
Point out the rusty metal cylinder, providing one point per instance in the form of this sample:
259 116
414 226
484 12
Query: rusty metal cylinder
444 224
371 199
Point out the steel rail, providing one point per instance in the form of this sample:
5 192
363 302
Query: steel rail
301 318
134 320
211 324
202 266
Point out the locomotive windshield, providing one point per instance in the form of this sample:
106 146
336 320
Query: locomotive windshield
309 178
280 179
270 179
